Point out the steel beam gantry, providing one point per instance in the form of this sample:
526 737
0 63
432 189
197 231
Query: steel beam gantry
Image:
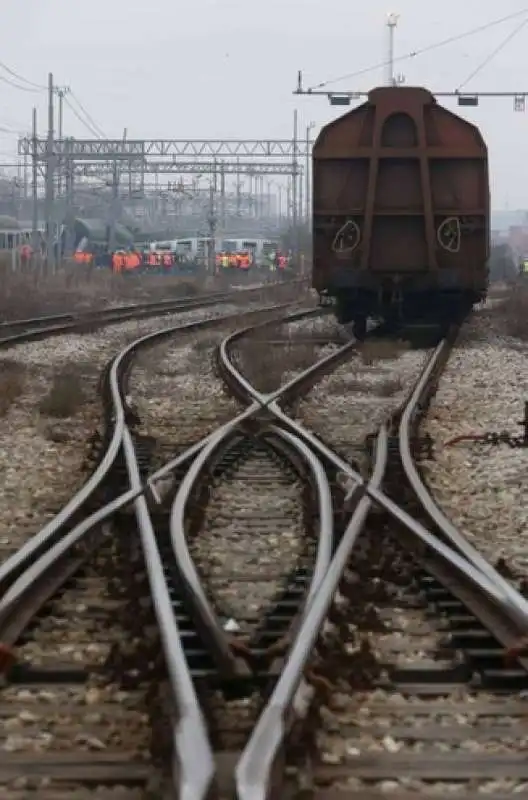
104 149
101 169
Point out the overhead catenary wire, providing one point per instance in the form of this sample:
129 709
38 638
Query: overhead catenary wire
494 53
427 49
81 120
33 87
39 87
90 119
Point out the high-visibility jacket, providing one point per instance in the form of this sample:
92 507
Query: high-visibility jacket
225 261
118 262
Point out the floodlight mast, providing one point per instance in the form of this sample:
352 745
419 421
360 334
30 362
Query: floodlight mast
344 98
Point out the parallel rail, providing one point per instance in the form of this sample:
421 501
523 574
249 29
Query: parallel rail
444 552
501 609
25 330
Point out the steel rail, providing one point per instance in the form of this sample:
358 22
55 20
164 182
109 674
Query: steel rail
113 316
209 623
19 570
380 498
256 766
517 604
86 316
128 497
193 767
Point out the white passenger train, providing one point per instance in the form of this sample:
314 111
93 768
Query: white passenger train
198 248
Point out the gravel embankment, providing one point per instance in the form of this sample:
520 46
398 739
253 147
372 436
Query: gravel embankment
356 398
481 488
50 407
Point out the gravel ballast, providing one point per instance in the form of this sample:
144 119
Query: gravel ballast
481 487
42 455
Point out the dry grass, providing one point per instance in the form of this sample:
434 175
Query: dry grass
82 287
12 383
66 395
79 287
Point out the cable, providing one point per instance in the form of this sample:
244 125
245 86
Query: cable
36 86
423 50
495 52
16 86
90 119
81 120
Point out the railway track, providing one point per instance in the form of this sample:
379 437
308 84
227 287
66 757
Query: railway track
77 700
376 637
23 330
418 672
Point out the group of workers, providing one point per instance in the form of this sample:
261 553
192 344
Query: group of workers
241 260
123 261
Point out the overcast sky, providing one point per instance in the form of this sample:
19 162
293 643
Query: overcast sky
226 68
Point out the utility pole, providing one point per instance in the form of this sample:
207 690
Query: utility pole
307 172
70 212
211 219
34 183
238 190
115 206
50 181
61 92
295 169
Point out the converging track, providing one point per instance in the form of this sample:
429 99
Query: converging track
301 608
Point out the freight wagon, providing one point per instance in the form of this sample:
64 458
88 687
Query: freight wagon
401 217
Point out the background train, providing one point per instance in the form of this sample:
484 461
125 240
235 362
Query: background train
401 210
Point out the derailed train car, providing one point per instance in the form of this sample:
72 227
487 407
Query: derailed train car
401 216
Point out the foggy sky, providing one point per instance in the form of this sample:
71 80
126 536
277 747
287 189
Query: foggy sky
227 68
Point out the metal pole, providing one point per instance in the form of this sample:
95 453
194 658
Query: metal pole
295 226
223 195
60 167
238 189
34 183
115 206
307 182
50 179
70 213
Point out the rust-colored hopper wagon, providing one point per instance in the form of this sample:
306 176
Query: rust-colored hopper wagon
400 210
